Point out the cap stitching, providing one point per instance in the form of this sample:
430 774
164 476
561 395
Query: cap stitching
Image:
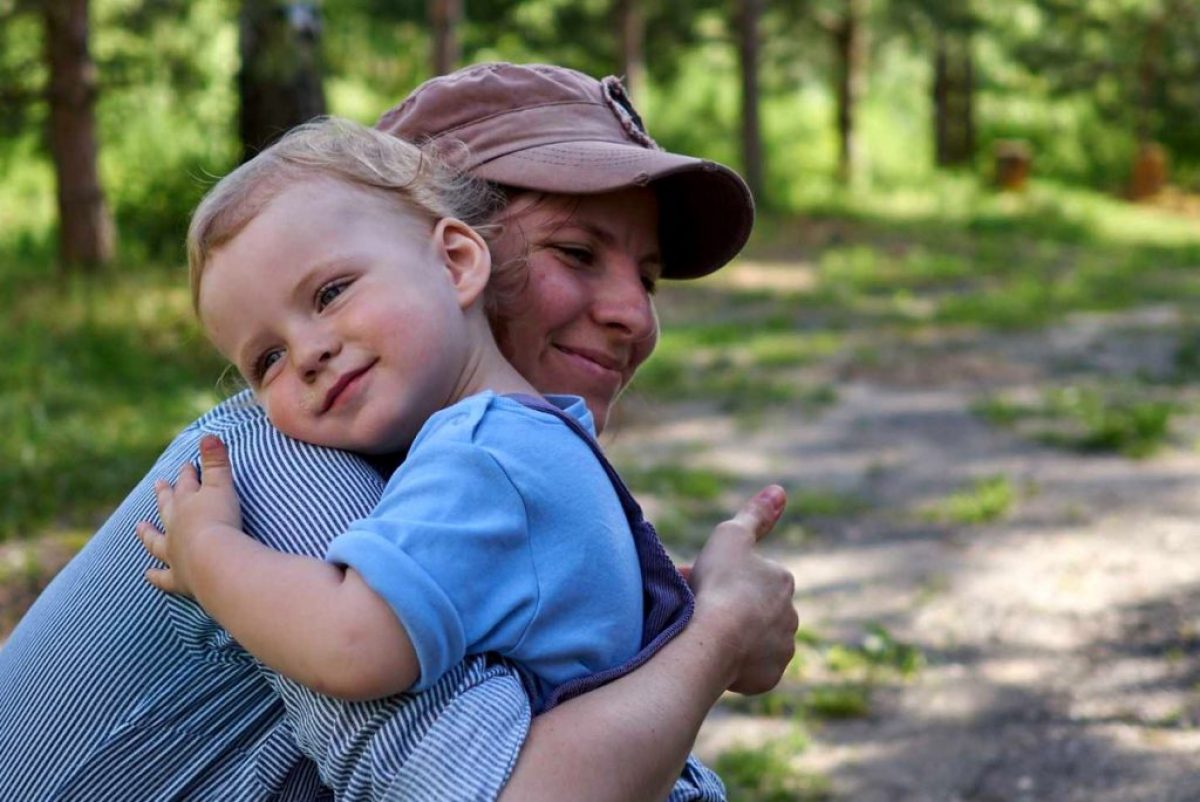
506 112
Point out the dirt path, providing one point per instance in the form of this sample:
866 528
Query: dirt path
1062 642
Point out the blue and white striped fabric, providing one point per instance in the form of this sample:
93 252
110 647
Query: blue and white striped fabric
110 690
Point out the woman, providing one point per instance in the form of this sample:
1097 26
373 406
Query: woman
113 691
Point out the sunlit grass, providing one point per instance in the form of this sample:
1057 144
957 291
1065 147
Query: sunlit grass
98 376
1129 418
832 679
987 499
768 773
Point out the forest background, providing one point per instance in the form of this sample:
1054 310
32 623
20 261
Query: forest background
921 167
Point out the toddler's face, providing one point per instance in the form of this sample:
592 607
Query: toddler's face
335 306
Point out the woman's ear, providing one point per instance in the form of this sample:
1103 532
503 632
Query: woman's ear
466 257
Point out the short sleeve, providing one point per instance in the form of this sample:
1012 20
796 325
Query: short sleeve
448 549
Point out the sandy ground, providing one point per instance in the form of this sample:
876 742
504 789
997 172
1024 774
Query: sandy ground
1062 641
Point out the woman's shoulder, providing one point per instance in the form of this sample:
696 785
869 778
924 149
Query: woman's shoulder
254 443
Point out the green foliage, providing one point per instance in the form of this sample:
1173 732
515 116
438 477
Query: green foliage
1127 418
672 479
167 115
831 679
987 499
822 503
877 654
768 774
98 377
739 363
1118 423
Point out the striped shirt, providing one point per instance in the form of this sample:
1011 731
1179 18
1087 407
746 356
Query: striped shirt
110 690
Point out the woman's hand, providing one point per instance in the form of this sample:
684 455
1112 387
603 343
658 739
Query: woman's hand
629 739
743 600
191 512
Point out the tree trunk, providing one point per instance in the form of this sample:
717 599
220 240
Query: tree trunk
86 234
749 13
850 44
444 18
953 100
279 83
631 28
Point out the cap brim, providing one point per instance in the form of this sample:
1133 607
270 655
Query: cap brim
706 210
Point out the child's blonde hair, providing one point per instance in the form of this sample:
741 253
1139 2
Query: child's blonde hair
344 151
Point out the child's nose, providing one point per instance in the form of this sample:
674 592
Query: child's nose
315 356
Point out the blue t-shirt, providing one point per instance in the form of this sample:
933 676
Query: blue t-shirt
501 532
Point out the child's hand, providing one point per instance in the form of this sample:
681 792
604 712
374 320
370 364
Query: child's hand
189 512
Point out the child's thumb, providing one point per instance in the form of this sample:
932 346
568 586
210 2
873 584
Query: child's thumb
214 462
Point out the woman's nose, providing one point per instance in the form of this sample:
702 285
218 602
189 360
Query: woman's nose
623 303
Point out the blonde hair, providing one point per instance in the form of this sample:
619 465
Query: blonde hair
344 151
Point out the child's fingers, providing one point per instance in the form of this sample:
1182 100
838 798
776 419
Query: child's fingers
214 462
164 496
188 481
163 579
153 541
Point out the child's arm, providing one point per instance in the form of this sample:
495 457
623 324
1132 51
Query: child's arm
312 621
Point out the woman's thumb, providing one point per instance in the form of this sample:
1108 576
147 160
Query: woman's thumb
762 512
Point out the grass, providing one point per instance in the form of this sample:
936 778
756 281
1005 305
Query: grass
99 375
1129 418
987 499
768 774
830 679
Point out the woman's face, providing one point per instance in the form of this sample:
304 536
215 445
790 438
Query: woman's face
583 320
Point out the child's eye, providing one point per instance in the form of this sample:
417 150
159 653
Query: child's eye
264 363
650 283
327 294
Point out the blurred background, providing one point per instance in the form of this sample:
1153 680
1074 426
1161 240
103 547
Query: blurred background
966 333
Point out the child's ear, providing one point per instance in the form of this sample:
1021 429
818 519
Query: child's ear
466 256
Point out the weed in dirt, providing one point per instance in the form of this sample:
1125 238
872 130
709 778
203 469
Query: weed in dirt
740 365
768 773
833 680
824 503
839 701
987 499
878 654
1130 418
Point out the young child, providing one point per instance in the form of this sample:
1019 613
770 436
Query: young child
336 272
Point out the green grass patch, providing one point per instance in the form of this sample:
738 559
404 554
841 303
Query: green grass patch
822 503
987 499
768 774
1127 418
836 680
98 377
670 479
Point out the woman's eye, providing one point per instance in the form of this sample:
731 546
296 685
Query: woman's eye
576 253
650 283
327 294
